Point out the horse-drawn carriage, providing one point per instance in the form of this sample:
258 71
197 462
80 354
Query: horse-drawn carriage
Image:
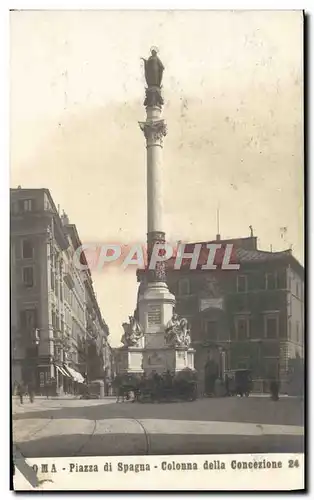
156 387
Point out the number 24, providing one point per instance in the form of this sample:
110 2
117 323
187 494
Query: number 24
293 463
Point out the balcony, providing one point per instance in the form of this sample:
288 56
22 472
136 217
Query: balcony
68 275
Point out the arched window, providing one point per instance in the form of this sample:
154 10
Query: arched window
184 286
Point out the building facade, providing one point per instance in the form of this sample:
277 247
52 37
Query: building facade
98 364
251 318
52 299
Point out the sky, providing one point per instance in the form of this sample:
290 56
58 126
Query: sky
233 90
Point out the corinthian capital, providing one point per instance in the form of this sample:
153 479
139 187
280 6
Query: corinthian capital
154 131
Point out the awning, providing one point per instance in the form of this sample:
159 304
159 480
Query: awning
77 377
62 371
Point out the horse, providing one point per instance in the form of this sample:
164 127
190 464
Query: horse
123 385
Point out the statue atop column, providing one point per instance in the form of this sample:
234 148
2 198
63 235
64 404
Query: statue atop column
177 333
153 69
132 333
153 74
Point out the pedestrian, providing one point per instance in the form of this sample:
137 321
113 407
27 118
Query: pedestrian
47 388
109 387
227 384
31 392
21 391
212 384
217 387
53 387
274 389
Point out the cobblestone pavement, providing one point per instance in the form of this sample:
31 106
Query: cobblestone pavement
286 411
43 404
69 427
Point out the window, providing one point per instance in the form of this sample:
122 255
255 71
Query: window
57 352
271 281
241 283
297 290
289 282
52 278
25 205
57 322
211 330
297 332
289 305
289 329
28 319
184 286
271 326
27 249
28 276
282 279
54 322
242 328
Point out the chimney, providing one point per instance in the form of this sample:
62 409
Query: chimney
218 225
65 219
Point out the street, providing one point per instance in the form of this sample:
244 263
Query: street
72 427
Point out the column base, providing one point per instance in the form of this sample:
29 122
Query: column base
155 310
135 360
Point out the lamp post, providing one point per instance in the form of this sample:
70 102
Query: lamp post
278 368
259 373
222 361
35 340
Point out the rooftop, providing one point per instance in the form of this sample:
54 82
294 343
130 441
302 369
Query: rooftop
244 250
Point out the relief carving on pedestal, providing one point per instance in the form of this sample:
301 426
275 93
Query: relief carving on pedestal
155 359
177 333
156 238
132 333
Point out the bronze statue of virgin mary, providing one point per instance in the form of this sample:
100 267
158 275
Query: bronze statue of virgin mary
153 69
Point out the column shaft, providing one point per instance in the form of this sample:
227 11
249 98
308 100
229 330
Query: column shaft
154 188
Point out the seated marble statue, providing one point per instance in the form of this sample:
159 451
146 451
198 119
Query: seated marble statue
177 333
132 332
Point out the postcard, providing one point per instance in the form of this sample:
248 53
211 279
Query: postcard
156 246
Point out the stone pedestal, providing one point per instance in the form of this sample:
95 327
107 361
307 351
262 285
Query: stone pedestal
155 310
155 359
184 358
130 360
167 358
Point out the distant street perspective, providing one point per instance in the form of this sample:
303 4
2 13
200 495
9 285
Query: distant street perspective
73 427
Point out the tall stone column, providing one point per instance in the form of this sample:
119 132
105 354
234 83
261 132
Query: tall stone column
154 129
156 302
157 339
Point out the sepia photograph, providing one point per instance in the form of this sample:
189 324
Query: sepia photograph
157 291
